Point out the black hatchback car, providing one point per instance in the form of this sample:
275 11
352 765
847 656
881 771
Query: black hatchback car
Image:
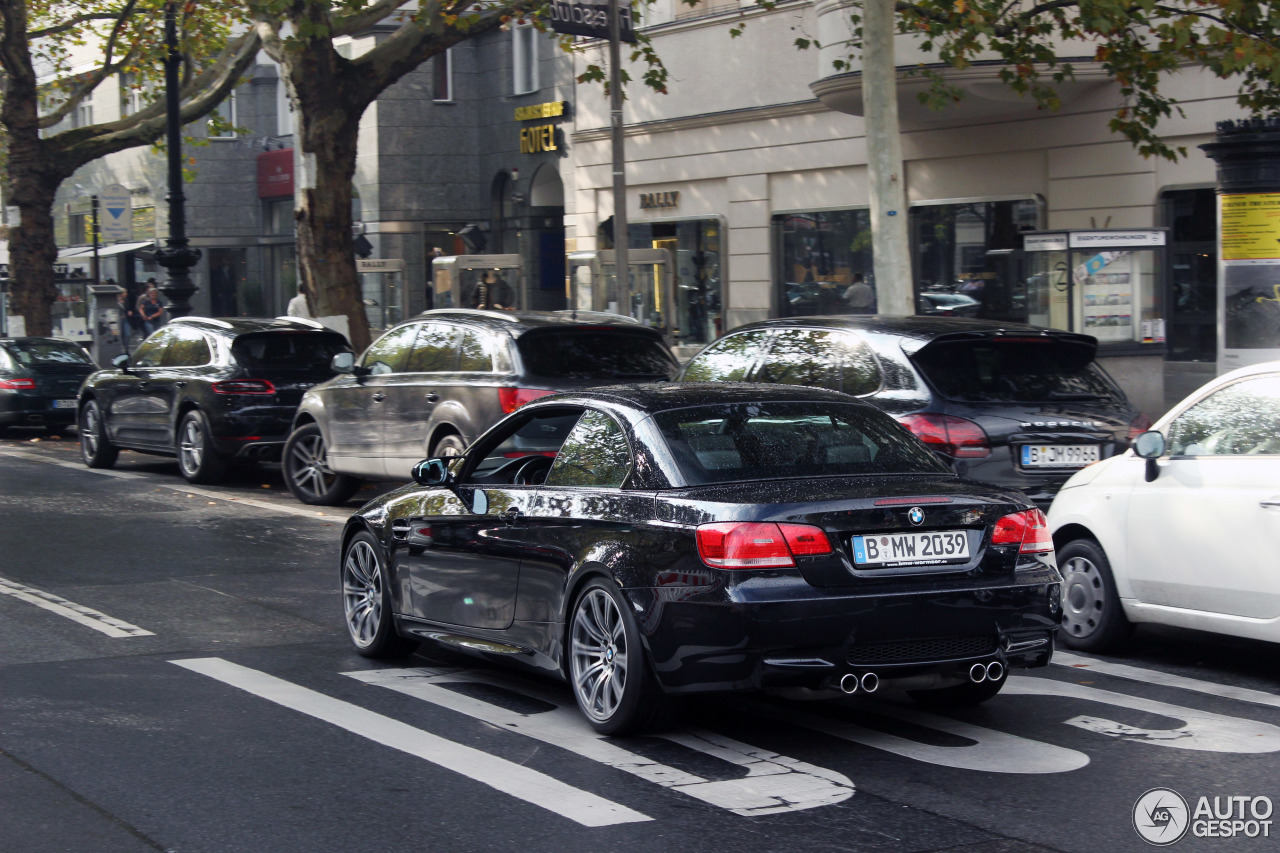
1018 406
39 379
432 384
207 391
687 538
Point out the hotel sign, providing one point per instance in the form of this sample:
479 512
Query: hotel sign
541 137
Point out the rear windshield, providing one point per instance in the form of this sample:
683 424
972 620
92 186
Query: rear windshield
595 354
763 441
47 352
282 350
1014 371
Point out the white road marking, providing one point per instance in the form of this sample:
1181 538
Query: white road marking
773 784
529 785
184 488
1165 679
990 751
1202 731
86 616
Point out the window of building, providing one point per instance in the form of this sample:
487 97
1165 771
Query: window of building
524 58
130 94
82 115
222 121
442 77
951 253
818 256
284 109
694 302
702 8
1191 217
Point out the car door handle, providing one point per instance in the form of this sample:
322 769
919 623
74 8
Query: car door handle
379 397
432 396
1274 502
511 514
180 384
143 384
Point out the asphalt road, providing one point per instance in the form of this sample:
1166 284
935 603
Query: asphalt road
174 675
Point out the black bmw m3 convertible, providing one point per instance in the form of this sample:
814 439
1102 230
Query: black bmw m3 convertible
652 540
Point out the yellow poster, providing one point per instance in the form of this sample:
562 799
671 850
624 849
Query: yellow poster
1250 226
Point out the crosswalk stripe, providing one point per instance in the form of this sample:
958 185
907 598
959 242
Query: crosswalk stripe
1151 676
531 786
773 784
86 616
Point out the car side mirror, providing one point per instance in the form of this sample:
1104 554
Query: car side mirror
345 363
431 472
121 362
1150 446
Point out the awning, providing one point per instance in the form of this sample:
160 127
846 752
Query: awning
108 251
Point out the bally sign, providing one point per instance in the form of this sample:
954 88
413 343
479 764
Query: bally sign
651 201
578 18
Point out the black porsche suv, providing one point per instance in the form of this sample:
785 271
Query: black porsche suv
1017 406
207 391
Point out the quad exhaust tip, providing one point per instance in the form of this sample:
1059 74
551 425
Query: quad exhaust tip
870 682
849 683
981 672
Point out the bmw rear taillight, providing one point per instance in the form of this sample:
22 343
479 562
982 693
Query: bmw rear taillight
513 398
17 385
948 434
244 386
1029 530
1139 425
759 545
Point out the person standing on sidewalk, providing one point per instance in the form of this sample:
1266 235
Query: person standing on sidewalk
150 309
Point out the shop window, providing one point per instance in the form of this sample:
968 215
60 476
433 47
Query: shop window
819 257
690 304
952 261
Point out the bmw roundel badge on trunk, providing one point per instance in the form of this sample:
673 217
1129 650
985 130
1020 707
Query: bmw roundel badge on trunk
916 515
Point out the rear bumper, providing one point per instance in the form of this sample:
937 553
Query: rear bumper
784 633
32 410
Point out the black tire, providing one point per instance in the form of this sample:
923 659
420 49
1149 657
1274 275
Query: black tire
306 470
366 601
960 696
449 445
1093 619
198 460
607 669
96 449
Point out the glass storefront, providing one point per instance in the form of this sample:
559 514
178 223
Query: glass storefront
696 309
824 259
231 293
818 255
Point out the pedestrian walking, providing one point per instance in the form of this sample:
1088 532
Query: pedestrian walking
298 306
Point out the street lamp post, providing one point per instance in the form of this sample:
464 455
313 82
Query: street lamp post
177 256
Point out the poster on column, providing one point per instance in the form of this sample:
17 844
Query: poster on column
1249 313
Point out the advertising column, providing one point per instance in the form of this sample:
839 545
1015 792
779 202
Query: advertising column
1248 158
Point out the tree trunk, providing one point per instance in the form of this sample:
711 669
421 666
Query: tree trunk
328 128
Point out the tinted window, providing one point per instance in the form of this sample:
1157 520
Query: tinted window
389 353
45 352
150 353
596 453
288 349
1240 419
595 354
1014 371
433 350
760 441
834 360
188 348
727 360
473 352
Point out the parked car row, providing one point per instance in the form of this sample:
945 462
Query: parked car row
647 540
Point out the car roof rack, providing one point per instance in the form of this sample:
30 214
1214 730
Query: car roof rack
222 324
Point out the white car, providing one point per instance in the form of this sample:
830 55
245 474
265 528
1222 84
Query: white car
1184 528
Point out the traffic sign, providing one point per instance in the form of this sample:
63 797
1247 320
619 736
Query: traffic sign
115 214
